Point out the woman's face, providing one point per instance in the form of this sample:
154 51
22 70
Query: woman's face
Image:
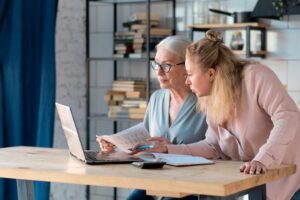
175 77
200 82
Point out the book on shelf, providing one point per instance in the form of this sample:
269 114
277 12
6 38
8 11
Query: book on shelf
119 114
124 52
119 55
119 86
113 102
137 46
116 108
115 97
156 31
133 110
113 92
135 94
123 40
137 110
136 81
129 24
137 27
134 103
127 93
132 43
141 55
138 41
125 33
125 115
138 51
136 116
123 47
144 16
118 98
127 88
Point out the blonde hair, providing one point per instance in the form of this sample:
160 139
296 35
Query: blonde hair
210 52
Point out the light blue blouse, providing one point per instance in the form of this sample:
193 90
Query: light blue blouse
189 125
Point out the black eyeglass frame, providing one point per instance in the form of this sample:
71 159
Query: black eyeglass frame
165 66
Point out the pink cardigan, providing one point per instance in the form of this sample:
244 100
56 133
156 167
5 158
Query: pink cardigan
266 129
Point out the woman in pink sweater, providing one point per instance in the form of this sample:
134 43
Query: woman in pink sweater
250 115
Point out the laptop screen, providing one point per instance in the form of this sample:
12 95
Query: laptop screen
70 131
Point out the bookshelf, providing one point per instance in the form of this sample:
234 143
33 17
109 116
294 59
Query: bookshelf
248 27
117 62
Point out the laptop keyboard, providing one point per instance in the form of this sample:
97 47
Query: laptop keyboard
102 158
91 155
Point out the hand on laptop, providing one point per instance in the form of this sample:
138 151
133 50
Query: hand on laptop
105 146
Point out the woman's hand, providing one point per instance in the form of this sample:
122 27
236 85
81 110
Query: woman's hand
253 167
158 143
105 146
159 140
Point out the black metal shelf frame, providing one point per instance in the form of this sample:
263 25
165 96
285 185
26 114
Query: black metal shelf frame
128 1
103 116
118 59
115 60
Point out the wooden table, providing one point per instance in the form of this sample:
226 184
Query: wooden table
56 165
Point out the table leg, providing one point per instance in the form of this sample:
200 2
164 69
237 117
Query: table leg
256 193
25 190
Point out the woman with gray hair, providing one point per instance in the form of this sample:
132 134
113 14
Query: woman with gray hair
171 115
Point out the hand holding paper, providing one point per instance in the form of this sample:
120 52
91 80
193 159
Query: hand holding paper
105 146
128 138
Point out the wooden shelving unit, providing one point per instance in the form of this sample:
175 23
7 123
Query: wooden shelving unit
248 27
227 26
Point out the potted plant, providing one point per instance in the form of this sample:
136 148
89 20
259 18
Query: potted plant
282 7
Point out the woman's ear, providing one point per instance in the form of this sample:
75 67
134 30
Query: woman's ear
211 74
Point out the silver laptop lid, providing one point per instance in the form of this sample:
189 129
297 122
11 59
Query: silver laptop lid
70 131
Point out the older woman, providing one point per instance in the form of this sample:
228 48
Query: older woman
250 115
171 115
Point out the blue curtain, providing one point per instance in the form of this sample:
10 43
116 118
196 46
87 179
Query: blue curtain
27 79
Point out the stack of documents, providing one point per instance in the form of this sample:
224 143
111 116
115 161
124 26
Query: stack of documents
175 159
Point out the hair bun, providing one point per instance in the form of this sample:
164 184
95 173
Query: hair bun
214 36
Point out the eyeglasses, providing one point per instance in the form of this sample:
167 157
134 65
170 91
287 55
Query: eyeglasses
165 67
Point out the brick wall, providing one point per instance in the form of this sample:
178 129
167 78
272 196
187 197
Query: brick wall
70 80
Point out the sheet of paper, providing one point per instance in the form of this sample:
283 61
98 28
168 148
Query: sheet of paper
128 138
181 160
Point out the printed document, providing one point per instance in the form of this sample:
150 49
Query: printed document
128 138
175 159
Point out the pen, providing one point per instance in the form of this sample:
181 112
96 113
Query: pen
142 147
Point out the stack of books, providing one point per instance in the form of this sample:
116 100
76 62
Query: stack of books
132 43
126 99
124 43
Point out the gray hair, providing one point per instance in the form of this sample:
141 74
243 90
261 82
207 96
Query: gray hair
176 44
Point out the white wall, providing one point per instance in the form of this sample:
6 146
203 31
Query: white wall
283 58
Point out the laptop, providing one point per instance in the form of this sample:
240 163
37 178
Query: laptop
75 145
